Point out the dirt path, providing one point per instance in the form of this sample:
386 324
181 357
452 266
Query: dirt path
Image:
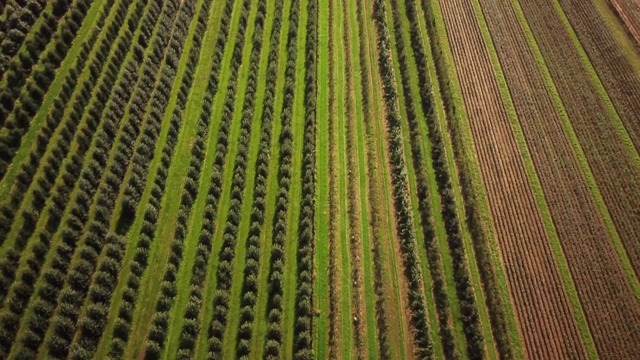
606 296
544 312
629 13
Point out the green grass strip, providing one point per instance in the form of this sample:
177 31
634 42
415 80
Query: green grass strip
369 292
321 288
536 187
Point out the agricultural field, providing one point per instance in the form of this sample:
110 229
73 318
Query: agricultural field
320 179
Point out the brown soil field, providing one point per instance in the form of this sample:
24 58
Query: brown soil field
615 172
629 13
619 77
606 296
543 310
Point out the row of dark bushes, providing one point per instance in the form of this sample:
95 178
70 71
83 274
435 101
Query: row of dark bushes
224 273
434 260
92 239
374 200
402 201
303 326
86 342
76 224
273 344
160 321
250 283
19 102
191 326
22 290
464 288
480 243
121 331
17 24
51 165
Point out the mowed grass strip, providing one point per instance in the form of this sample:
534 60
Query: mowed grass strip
358 131
166 231
322 220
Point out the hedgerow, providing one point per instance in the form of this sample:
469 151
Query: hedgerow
406 228
18 103
303 326
250 282
273 343
443 307
159 324
224 274
45 303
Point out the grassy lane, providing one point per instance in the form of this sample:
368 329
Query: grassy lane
358 131
233 321
187 133
321 288
398 333
486 246
261 320
340 144
460 203
165 230
295 192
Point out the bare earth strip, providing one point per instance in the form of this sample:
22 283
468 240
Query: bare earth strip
614 166
606 296
541 303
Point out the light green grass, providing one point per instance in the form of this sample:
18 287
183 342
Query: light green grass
372 343
261 321
321 247
181 157
29 140
536 187
295 192
393 268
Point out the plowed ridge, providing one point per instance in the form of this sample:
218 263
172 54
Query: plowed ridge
605 294
614 169
543 309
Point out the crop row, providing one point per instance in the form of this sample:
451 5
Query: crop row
422 184
250 283
303 336
160 322
25 287
88 339
139 264
374 200
16 115
79 277
190 327
406 228
273 343
19 20
54 278
53 162
224 274
464 288
18 63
